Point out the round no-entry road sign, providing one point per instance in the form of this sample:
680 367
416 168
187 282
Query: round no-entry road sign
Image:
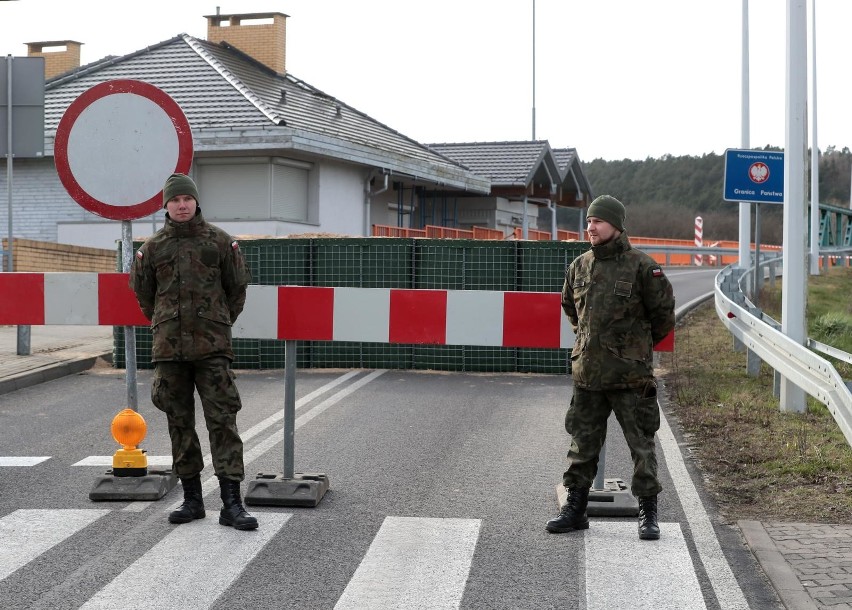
117 143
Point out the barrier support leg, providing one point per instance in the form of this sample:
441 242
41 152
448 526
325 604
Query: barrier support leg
288 488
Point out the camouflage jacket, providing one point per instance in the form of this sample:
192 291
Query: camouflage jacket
190 280
620 304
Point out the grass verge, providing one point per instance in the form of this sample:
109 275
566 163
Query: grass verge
758 462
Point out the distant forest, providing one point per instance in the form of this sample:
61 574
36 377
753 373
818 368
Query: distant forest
663 196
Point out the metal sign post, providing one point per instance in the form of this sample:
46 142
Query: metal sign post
8 252
129 331
23 81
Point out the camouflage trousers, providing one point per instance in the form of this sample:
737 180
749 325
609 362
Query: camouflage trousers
172 392
586 420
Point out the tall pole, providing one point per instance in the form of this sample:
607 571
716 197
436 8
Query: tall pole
533 71
23 332
794 286
815 214
524 224
745 207
9 266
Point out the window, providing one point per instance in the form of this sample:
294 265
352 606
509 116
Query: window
254 188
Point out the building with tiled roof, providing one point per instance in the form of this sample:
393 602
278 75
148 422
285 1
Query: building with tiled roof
521 173
275 156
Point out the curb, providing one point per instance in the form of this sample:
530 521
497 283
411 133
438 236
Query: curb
784 580
684 309
50 372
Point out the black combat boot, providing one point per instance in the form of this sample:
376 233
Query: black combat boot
234 513
572 516
649 529
193 502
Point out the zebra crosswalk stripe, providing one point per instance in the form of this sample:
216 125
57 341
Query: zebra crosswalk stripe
151 582
414 563
649 574
27 533
106 460
22 460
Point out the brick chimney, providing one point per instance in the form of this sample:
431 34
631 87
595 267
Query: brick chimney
60 56
261 35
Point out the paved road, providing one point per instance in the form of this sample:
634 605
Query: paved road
441 485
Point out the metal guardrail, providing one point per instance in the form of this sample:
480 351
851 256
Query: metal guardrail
707 251
761 335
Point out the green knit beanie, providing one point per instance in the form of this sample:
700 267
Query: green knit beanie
179 184
608 208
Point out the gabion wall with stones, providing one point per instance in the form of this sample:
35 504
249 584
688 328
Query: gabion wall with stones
452 264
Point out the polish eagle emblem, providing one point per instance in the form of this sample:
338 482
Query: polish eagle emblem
758 172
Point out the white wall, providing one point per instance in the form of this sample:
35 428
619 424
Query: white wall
341 197
39 201
43 210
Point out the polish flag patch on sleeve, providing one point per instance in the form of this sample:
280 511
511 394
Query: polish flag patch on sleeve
139 254
235 245
657 272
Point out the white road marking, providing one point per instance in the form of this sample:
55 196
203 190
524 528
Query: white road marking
27 533
189 568
641 574
22 460
721 577
333 400
276 417
106 460
414 563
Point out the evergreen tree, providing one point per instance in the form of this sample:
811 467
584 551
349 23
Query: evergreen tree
663 196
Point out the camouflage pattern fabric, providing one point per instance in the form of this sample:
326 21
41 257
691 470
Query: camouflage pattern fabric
190 280
172 392
620 304
586 420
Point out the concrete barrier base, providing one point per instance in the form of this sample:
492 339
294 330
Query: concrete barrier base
304 489
152 486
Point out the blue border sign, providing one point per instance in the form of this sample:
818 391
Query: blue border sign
755 176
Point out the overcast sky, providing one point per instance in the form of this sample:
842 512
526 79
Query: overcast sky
613 78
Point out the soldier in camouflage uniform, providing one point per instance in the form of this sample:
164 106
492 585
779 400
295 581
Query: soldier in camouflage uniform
190 279
620 304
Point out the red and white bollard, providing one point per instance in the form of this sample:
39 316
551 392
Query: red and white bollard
699 238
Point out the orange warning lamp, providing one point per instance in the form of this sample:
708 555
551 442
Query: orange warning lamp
128 429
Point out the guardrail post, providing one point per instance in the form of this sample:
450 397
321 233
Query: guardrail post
753 363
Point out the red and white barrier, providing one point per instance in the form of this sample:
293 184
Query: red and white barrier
373 315
699 239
